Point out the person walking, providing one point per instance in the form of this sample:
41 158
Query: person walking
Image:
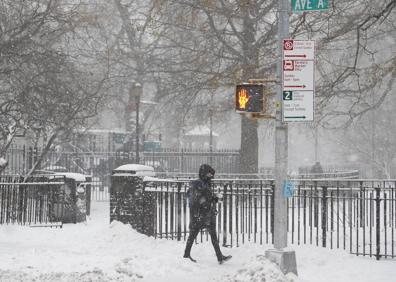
202 205
317 169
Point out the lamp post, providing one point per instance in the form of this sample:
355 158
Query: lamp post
137 93
211 134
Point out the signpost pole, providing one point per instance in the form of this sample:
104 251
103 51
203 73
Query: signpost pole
284 258
281 137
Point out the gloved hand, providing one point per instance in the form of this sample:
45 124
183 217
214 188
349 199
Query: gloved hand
218 197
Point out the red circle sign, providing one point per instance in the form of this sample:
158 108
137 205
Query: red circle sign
288 45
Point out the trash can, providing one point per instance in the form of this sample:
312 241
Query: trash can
129 202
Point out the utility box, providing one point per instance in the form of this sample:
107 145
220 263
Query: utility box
129 202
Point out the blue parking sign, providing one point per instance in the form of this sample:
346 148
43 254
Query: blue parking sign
288 188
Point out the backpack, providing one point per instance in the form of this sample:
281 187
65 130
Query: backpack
193 194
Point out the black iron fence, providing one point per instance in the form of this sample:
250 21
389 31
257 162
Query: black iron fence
244 214
100 164
187 160
344 174
37 201
355 215
358 215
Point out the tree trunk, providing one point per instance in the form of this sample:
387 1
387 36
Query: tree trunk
249 135
249 146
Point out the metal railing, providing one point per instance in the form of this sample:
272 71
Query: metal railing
347 174
357 215
39 200
100 164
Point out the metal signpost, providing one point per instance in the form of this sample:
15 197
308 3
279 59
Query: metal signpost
298 77
295 102
285 259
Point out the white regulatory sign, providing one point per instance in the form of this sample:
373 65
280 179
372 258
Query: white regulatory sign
298 80
298 105
298 49
298 75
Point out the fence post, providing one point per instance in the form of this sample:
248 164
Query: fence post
315 207
362 207
272 209
179 204
324 215
378 221
140 189
21 196
182 161
225 215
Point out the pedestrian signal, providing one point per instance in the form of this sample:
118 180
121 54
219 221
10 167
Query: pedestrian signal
249 98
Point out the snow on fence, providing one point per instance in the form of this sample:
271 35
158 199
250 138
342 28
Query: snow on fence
355 215
37 201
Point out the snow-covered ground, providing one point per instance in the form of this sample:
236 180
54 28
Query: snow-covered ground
98 251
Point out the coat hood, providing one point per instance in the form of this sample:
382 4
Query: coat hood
203 171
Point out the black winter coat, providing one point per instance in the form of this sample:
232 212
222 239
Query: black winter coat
202 201
203 205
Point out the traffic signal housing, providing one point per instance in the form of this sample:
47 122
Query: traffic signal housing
249 98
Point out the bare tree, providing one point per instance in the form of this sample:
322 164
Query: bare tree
371 141
355 59
46 89
349 62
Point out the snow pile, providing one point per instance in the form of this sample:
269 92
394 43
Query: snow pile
3 162
259 269
99 251
88 276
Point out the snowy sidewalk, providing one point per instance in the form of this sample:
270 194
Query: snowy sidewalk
97 251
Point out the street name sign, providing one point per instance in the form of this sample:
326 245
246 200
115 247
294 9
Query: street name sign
298 80
309 5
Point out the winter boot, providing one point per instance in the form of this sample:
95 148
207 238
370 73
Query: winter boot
224 258
189 256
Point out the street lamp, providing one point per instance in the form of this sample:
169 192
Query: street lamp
137 92
211 133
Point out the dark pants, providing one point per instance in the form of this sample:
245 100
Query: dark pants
194 230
